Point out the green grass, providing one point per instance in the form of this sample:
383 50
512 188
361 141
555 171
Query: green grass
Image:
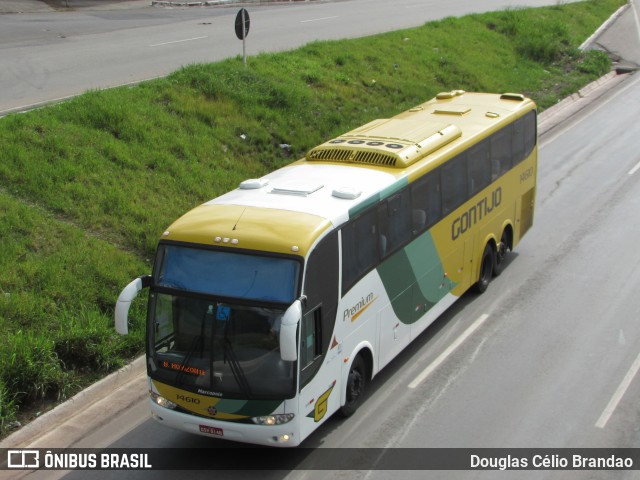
88 186
57 290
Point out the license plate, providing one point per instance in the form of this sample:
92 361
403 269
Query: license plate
212 430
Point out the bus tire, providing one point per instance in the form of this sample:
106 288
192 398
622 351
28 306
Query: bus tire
501 254
486 269
356 385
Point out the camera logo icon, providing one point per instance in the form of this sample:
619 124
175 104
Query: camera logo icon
23 459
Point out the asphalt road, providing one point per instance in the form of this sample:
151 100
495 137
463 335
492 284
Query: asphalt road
53 55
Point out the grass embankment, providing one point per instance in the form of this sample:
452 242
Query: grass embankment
88 186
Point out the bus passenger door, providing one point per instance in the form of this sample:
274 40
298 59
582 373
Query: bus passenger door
319 364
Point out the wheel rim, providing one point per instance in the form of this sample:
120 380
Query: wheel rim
503 249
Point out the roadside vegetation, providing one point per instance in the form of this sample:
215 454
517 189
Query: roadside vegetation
87 186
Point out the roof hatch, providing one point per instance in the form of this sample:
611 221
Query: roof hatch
297 188
458 110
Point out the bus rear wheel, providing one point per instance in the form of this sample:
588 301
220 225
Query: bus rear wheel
486 269
501 254
356 383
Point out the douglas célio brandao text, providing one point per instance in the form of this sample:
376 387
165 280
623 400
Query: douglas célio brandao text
551 462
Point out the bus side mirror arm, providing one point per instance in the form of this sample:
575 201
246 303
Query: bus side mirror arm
289 331
124 302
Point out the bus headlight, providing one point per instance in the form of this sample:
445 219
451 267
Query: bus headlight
275 419
163 402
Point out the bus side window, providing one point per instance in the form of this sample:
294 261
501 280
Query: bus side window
311 338
530 132
359 248
393 219
479 167
517 143
425 201
500 152
454 183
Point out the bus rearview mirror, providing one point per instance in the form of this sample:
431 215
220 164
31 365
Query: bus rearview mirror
288 332
123 304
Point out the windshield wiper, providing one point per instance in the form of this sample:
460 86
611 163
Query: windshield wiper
196 343
165 342
197 340
236 368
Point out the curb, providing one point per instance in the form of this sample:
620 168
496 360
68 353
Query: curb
211 3
79 402
561 111
218 3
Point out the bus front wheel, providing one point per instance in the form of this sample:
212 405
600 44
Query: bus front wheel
486 269
356 383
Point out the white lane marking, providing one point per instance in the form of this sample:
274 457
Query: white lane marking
634 169
443 356
178 41
318 19
619 393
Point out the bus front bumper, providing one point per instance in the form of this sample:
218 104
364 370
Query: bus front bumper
285 435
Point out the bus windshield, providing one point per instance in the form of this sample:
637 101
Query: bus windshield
219 349
228 274
215 321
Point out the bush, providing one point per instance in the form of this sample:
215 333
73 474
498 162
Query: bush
87 342
8 408
32 371
594 62
540 41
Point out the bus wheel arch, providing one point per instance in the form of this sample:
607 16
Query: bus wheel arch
357 379
502 250
485 269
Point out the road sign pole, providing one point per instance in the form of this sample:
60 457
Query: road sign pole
244 38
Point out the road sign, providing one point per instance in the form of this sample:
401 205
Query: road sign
242 19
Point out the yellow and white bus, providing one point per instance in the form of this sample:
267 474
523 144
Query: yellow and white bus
272 307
